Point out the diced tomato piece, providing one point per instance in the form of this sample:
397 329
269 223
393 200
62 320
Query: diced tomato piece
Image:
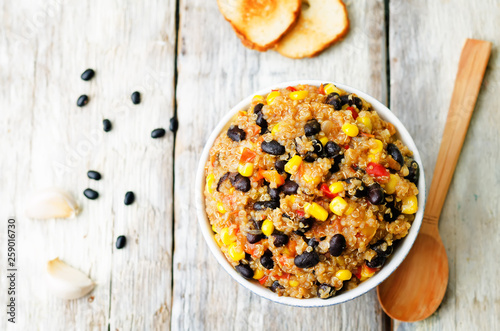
292 244
376 170
346 147
326 191
283 276
321 89
357 272
369 270
291 88
353 112
300 213
262 281
247 156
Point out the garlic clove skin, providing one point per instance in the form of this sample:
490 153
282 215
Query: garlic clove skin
51 203
67 282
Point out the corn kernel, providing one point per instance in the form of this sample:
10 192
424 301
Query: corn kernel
227 237
267 227
323 140
214 229
258 274
271 96
293 283
336 187
298 95
235 252
410 205
220 208
316 211
374 158
311 180
350 210
379 146
258 98
218 241
390 186
210 183
350 129
330 88
366 121
276 128
246 169
293 164
338 206
343 274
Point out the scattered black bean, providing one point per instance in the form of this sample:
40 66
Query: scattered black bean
312 127
280 239
318 146
337 245
258 224
88 74
290 187
393 151
91 194
313 242
129 198
344 99
325 291
244 270
271 204
136 98
414 172
267 260
82 100
310 157
174 124
358 103
236 134
274 193
239 182
280 166
382 248
375 194
273 147
222 179
158 133
261 121
93 175
392 210
253 238
304 225
106 125
361 190
307 259
258 108
337 161
276 285
333 99
322 238
377 262
121 241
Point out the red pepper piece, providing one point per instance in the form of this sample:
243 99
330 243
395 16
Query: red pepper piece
377 170
353 112
357 272
326 191
300 213
321 89
262 281
291 89
247 156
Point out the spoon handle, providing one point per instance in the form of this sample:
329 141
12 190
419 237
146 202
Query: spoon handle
471 68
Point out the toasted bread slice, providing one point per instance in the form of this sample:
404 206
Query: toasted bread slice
321 23
260 24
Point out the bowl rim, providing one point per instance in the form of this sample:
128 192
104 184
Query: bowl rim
393 262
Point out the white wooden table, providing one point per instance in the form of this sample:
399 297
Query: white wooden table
403 52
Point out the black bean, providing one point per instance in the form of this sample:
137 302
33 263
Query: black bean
344 99
136 98
312 242
375 194
337 161
271 204
267 260
290 187
392 210
129 198
253 238
333 99
91 194
382 248
88 74
393 151
310 157
361 189
304 225
174 124
158 133
358 102
261 121
276 285
239 182
312 127
318 146
82 100
414 172
106 125
258 224
236 134
307 259
322 238
332 149
337 245
377 262
274 193
121 241
222 179
280 166
244 270
280 239
258 108
92 174
325 291
273 147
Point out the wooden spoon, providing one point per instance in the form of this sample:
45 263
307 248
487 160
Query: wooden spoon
415 290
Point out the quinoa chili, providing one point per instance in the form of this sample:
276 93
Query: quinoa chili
308 189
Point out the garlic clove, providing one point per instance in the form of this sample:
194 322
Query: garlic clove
51 203
67 282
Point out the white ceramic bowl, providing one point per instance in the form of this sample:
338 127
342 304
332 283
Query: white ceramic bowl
392 263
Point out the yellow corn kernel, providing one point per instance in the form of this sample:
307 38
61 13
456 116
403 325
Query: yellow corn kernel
350 210
366 121
338 206
258 98
293 283
210 183
390 186
293 198
298 95
374 158
343 274
227 237
336 187
220 208
276 128
379 146
214 229
235 252
330 88
271 96
258 274
267 227
323 140
246 169
350 129
218 241
410 205
293 164
316 211
312 180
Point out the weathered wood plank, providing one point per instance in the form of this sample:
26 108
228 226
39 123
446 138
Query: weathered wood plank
426 38
216 71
